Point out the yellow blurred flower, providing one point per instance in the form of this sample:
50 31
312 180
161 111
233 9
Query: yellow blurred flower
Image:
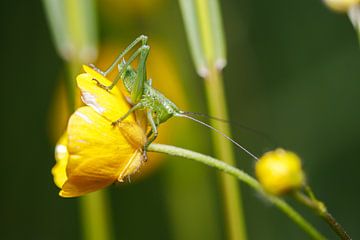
341 5
131 11
93 154
279 171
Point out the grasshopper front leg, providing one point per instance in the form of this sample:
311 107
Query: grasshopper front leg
134 108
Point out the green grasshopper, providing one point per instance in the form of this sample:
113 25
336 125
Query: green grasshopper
143 96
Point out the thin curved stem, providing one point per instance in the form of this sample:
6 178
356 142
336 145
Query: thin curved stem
240 175
320 208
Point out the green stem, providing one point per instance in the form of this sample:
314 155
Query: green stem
242 176
320 208
223 150
95 216
192 29
213 44
205 33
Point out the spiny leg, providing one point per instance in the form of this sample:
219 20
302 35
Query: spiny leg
141 38
134 108
153 133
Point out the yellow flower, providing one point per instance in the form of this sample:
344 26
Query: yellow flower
279 171
130 10
94 154
341 5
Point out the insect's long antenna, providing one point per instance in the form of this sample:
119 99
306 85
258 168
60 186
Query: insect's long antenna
216 118
262 134
218 131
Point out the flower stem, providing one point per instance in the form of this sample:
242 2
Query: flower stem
213 42
320 208
95 216
205 33
242 176
223 150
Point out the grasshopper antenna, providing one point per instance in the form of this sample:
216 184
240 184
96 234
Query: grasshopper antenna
269 139
184 114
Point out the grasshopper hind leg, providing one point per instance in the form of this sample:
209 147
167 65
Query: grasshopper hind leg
142 51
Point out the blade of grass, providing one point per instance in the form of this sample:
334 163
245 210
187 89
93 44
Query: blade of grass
203 24
81 27
223 149
217 34
56 17
192 33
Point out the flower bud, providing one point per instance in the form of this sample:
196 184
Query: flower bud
279 171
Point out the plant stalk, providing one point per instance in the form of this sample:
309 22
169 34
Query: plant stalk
223 150
212 39
320 208
95 216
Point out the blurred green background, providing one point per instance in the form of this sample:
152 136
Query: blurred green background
293 73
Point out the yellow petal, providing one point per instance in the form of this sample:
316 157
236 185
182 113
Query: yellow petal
110 104
99 152
61 156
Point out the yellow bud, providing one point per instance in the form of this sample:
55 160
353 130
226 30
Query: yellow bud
340 5
279 171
